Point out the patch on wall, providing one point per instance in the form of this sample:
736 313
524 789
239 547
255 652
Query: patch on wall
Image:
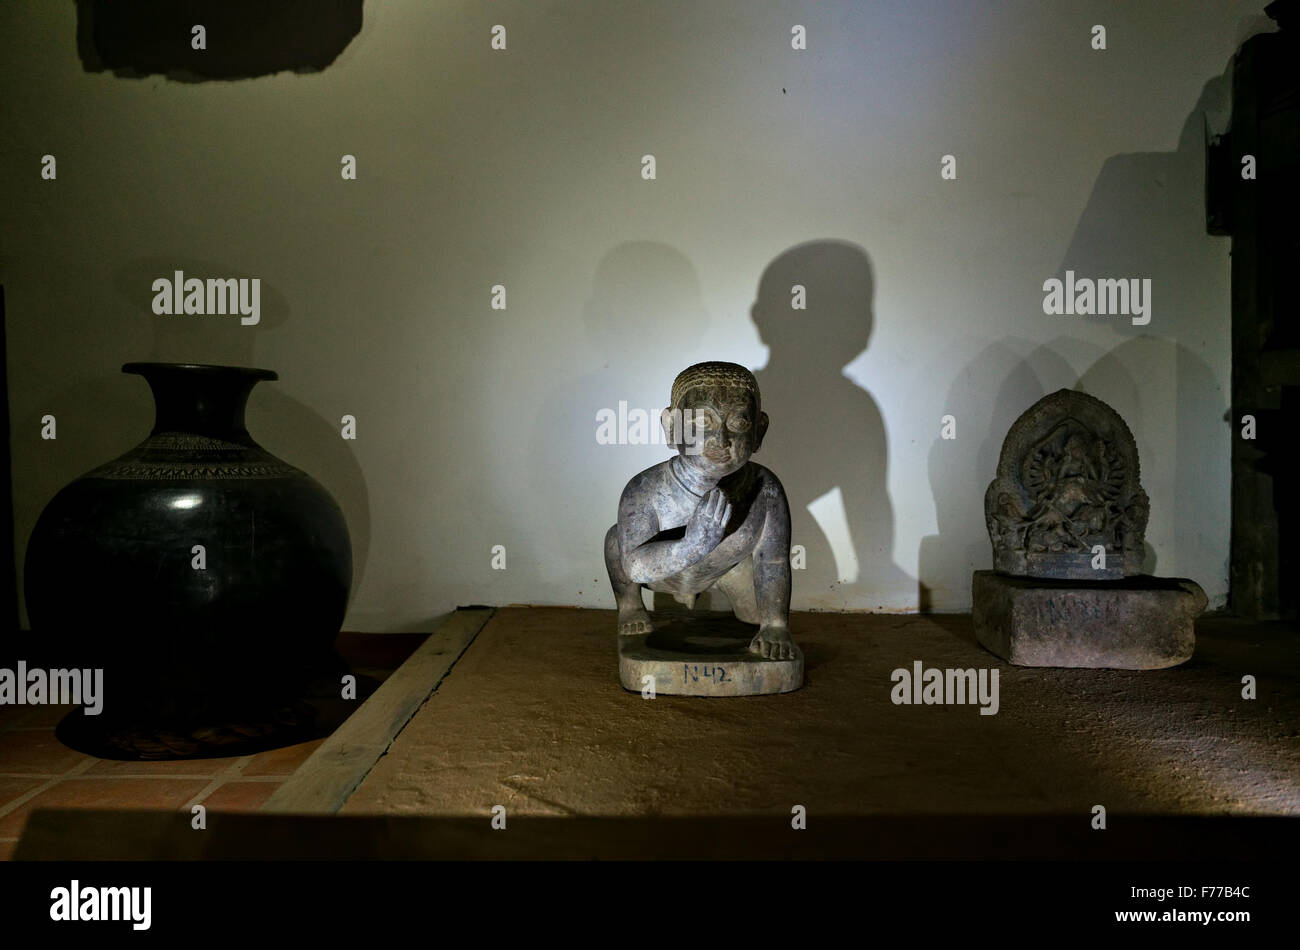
202 40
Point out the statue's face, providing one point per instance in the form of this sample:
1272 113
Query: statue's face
724 427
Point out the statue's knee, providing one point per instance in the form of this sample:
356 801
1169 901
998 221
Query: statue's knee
613 557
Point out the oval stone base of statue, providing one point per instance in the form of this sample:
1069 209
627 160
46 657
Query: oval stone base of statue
703 655
1137 623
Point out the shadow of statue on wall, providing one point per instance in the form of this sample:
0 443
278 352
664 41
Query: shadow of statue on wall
827 440
1144 220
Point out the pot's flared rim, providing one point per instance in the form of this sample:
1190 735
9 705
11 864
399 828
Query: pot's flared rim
205 369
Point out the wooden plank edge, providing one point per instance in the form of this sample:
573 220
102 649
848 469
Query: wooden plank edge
329 777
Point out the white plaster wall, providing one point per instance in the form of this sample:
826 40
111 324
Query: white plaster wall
477 427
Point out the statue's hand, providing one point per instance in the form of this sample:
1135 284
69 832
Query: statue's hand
708 522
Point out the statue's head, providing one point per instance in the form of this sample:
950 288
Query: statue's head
716 418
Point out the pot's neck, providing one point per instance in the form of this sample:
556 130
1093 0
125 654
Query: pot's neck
201 400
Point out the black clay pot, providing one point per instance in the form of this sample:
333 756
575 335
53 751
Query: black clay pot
205 576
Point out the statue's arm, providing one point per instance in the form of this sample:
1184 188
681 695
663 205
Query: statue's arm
646 560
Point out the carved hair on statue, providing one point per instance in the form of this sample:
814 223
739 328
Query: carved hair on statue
714 374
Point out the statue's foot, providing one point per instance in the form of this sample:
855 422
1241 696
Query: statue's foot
773 643
633 621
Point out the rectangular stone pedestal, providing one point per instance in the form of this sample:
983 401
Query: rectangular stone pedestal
1138 623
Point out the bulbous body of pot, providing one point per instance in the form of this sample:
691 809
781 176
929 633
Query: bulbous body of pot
197 563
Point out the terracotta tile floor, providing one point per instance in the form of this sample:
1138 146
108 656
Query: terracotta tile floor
38 771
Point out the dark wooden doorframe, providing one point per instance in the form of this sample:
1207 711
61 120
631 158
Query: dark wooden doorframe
8 574
1263 217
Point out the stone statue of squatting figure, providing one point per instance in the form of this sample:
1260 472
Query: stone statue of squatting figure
708 516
